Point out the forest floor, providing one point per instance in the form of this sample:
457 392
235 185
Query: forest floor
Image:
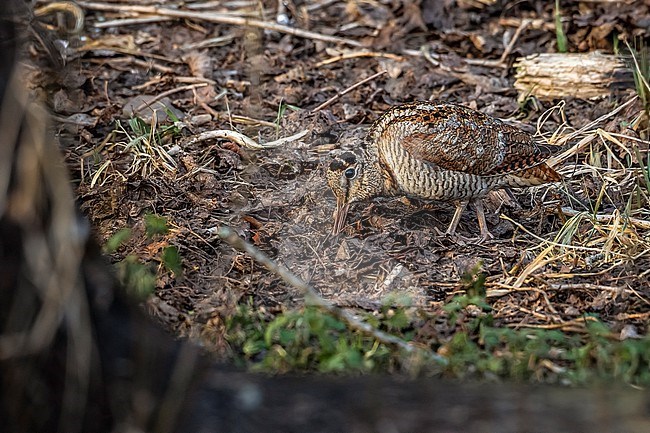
562 255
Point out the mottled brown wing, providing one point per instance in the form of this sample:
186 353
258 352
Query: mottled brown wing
522 151
476 144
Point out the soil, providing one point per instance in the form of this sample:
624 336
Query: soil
266 85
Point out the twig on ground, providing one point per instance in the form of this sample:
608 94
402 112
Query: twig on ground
314 6
538 262
424 52
587 286
357 54
312 297
238 118
501 63
505 289
488 63
167 93
642 224
195 80
68 7
537 314
348 90
101 45
488 84
209 43
576 325
130 60
217 18
548 242
626 316
583 143
130 21
535 24
506 52
244 140
150 65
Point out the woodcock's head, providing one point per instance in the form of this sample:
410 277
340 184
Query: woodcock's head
352 179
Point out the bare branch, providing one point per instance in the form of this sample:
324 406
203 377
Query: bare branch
312 297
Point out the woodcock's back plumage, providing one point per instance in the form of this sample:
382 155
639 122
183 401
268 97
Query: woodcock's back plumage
438 152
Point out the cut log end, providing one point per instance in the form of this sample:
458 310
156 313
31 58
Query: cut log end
556 75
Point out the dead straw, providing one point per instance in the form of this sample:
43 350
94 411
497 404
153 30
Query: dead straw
639 223
358 54
348 90
579 147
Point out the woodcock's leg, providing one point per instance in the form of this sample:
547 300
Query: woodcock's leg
480 215
460 207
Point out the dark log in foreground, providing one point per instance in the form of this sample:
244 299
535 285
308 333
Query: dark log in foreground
242 402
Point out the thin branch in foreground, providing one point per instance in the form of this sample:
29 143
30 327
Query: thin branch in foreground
312 297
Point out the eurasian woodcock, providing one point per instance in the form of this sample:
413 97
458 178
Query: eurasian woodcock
439 152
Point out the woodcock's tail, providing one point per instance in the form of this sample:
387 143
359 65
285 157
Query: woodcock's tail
534 176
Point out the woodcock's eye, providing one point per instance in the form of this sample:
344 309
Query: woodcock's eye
350 173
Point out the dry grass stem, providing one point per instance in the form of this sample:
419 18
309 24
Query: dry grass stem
548 242
122 22
238 118
358 54
129 60
576 325
588 132
166 93
642 224
348 90
67 7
